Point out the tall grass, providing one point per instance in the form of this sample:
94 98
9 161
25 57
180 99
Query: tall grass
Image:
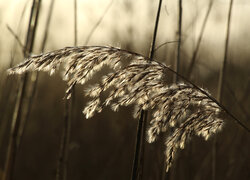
221 82
178 58
35 75
194 56
4 94
138 163
185 107
17 121
177 109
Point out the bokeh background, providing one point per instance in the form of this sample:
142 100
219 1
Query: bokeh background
102 147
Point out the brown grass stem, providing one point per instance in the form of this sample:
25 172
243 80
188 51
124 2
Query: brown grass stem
177 63
178 57
16 37
47 26
61 173
141 129
163 44
224 65
5 95
68 115
194 56
34 75
221 82
16 120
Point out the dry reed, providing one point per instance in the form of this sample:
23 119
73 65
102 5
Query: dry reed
184 107
222 79
17 121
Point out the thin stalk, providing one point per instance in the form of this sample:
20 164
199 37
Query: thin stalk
7 92
17 40
224 65
177 64
8 85
98 22
222 79
178 59
68 116
61 173
16 120
34 76
194 56
141 129
163 44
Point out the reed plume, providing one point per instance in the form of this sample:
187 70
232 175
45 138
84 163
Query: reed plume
183 107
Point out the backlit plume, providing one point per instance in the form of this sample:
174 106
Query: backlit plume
137 81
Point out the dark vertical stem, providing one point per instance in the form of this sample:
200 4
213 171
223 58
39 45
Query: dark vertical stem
194 56
137 148
8 96
169 174
68 115
151 55
138 161
223 69
221 85
46 32
34 76
177 64
16 120
63 156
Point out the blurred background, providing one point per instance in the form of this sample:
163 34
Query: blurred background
103 147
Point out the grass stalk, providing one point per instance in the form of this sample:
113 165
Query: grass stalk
6 83
141 128
221 82
194 56
63 156
68 116
177 63
35 75
163 44
178 58
16 120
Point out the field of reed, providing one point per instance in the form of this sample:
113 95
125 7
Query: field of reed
138 90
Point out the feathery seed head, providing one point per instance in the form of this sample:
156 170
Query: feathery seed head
183 107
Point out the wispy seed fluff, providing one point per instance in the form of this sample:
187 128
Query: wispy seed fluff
186 109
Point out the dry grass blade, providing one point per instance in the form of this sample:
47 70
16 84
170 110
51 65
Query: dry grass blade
184 107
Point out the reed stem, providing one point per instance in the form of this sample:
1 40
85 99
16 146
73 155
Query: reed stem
141 129
16 120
